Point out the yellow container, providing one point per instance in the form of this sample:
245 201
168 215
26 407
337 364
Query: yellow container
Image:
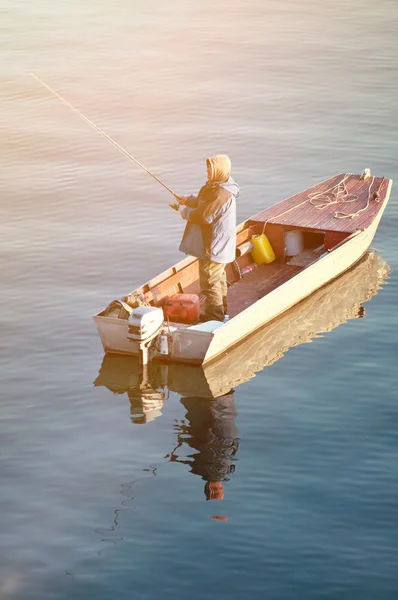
262 250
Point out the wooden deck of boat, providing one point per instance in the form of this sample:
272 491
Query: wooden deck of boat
298 211
254 286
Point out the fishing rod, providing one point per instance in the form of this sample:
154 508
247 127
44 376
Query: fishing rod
105 135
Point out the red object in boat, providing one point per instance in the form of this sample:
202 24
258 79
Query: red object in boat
183 308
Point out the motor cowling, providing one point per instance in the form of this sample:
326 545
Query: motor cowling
144 324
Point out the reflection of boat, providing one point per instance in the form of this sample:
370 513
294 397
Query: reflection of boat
124 374
324 310
333 223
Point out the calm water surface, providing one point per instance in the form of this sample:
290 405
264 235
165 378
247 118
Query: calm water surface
94 501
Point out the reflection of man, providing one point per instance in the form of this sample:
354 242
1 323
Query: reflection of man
210 430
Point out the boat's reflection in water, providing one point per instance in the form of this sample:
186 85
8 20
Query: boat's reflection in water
209 428
206 439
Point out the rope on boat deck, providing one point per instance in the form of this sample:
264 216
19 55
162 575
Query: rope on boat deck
311 197
343 215
337 194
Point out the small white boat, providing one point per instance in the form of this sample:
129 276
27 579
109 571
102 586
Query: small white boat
329 307
334 223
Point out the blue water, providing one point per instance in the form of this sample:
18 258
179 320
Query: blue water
94 504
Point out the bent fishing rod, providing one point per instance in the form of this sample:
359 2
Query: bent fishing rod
105 135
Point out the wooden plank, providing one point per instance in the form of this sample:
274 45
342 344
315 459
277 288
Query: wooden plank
306 215
255 285
173 285
367 217
345 239
244 236
276 235
326 218
334 237
281 207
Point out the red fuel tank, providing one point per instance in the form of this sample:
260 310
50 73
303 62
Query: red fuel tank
182 308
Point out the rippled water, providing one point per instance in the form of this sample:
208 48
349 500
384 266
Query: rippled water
94 503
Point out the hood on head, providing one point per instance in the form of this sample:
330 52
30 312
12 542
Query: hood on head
231 186
220 168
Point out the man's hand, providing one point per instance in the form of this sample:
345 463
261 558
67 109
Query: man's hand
182 200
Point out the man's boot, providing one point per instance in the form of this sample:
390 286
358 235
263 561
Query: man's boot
213 313
225 305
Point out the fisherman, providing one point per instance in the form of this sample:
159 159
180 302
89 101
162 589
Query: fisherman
210 233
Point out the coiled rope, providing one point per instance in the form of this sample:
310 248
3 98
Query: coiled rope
338 194
343 215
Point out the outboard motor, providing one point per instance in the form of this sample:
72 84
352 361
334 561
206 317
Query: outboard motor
144 325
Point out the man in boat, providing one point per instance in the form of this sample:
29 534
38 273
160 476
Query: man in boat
210 233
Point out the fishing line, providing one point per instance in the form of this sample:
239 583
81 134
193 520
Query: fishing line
105 135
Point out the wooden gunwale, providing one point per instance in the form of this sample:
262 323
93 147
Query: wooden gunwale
184 274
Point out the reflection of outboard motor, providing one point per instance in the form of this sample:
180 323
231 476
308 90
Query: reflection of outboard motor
145 405
144 325
146 399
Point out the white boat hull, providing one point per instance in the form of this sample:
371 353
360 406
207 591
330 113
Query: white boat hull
190 345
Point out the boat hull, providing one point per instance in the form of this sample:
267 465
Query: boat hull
329 307
190 345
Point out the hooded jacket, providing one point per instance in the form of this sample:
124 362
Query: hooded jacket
210 233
